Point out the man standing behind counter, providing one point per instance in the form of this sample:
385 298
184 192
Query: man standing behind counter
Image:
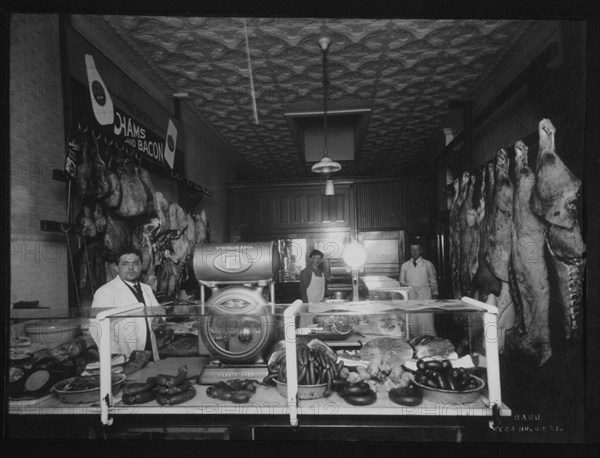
128 334
420 275
312 279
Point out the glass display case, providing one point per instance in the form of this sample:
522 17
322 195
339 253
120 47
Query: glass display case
372 343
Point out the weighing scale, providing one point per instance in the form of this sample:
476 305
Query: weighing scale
238 322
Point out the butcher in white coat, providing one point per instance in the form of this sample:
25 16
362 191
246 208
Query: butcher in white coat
420 275
128 334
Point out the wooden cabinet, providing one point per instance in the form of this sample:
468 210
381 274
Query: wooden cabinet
278 210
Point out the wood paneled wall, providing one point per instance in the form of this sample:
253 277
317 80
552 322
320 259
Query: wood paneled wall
281 211
300 210
407 204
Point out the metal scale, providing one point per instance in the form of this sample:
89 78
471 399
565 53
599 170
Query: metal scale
238 322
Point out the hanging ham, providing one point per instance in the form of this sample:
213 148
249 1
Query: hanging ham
161 206
528 273
99 217
84 167
116 237
190 230
134 199
149 187
101 180
113 199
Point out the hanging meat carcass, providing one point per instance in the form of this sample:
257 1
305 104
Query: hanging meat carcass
499 249
201 225
177 217
474 220
500 236
84 166
528 274
161 207
566 263
459 195
88 260
134 199
553 199
113 199
99 217
85 222
556 188
101 179
190 230
149 187
116 237
468 230
484 282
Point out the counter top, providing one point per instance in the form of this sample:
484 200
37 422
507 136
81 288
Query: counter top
266 401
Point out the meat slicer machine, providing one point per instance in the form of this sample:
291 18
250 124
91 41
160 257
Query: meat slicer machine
237 325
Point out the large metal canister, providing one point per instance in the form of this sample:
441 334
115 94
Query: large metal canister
236 262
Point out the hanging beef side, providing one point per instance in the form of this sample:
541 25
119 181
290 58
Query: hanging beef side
554 199
468 230
477 219
528 273
566 264
484 282
460 194
556 188
500 236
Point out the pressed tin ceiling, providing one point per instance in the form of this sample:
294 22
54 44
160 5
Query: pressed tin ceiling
406 72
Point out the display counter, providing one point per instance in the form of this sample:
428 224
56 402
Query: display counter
367 322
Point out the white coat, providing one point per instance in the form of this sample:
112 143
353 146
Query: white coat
127 334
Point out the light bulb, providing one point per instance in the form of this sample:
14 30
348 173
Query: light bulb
329 190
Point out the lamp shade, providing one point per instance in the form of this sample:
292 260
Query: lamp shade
326 166
329 190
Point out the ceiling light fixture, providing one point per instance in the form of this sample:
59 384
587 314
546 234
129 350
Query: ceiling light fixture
325 167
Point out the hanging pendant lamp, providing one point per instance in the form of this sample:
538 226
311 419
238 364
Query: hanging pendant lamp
325 167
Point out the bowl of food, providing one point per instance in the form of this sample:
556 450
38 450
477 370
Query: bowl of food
84 389
466 396
304 391
52 333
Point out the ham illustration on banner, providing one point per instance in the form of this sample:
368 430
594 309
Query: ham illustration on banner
171 143
101 100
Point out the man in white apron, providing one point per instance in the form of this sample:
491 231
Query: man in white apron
312 280
128 334
420 275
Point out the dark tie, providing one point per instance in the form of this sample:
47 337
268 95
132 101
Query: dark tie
415 263
138 293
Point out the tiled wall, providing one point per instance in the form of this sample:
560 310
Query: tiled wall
38 259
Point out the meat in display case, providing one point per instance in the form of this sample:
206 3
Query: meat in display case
370 363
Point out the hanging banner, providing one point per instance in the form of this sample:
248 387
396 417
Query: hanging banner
105 99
